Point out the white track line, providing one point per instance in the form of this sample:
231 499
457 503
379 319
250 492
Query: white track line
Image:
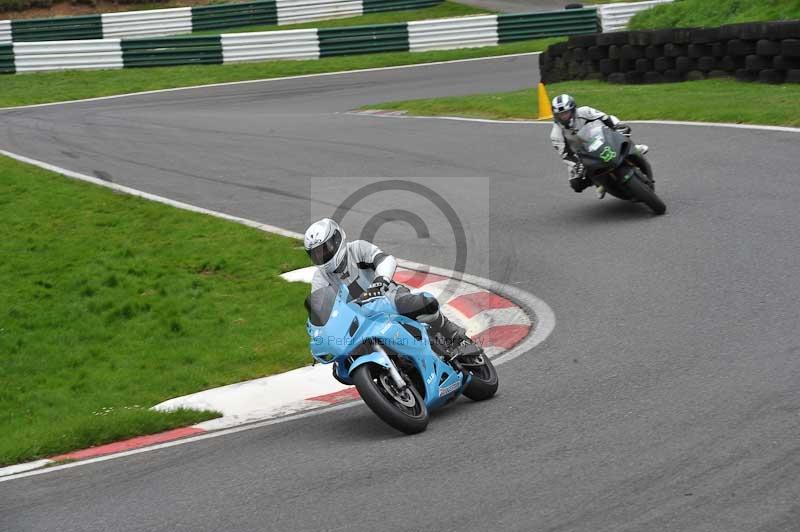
245 82
544 317
784 129
21 468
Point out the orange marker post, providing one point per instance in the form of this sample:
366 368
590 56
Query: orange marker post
545 112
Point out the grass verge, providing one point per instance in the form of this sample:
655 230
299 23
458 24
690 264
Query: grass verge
693 13
594 2
443 10
112 304
702 101
45 87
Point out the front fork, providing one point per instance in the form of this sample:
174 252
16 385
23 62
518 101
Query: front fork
393 373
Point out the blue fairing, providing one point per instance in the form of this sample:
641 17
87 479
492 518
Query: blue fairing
373 358
346 327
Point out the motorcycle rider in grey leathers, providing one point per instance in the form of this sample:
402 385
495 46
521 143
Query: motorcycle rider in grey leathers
568 119
367 273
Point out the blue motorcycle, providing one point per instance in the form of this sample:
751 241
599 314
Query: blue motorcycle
390 360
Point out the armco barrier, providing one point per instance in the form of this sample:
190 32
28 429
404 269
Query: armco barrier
615 17
524 26
444 34
439 34
363 39
7 59
57 29
230 16
167 51
187 19
140 23
67 55
5 31
291 44
296 11
768 52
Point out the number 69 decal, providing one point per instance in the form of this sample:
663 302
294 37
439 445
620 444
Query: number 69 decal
608 155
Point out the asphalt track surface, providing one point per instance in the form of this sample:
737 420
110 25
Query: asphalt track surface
666 398
521 6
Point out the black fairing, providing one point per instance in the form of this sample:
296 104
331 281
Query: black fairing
611 161
620 146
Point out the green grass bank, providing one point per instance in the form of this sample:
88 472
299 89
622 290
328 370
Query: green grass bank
112 304
716 100
710 13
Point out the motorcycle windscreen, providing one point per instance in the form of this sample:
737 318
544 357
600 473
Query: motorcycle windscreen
319 305
590 135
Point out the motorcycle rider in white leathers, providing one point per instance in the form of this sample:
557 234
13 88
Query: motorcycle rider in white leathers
568 119
367 273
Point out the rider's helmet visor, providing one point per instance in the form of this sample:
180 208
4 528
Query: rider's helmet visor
324 252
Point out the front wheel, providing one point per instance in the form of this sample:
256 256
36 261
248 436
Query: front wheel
402 409
638 190
484 381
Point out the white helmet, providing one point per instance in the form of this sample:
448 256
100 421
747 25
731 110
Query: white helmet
326 244
564 110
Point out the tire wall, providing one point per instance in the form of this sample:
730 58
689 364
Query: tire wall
768 52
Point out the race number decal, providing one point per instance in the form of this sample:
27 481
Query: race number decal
608 154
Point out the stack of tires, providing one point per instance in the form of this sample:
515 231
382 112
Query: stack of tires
768 52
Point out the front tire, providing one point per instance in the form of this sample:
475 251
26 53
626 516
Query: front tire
484 381
638 190
402 409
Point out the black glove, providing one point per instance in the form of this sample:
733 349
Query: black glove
625 129
376 289
578 184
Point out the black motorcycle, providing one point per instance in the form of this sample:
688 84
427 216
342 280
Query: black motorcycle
612 161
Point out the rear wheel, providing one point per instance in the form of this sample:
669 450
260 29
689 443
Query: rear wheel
484 381
402 409
640 191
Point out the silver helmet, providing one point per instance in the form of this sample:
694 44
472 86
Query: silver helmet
564 110
326 244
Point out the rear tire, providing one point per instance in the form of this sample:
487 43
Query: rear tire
484 381
378 392
638 190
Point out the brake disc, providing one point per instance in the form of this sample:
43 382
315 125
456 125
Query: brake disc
404 397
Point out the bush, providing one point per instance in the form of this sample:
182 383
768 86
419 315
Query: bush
22 5
19 5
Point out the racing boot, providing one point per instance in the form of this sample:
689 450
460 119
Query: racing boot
643 148
449 340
